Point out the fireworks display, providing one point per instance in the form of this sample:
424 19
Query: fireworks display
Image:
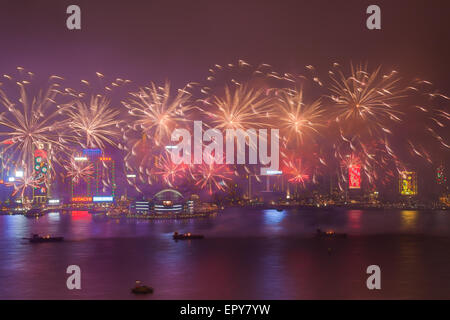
78 170
211 177
298 118
156 111
31 119
94 123
365 124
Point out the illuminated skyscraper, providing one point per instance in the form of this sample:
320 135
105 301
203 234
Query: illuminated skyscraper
407 183
105 177
354 176
41 170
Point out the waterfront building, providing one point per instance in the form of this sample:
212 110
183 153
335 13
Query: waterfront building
140 207
168 201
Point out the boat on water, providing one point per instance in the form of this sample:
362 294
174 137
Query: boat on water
330 234
141 289
187 236
40 239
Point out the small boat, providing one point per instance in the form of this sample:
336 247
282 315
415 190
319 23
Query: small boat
330 234
186 236
141 289
38 239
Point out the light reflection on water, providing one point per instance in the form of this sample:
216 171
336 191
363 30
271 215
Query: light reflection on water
409 219
247 254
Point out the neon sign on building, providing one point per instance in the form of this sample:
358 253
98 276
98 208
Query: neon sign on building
408 183
354 177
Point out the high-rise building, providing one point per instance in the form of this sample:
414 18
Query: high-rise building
407 183
105 177
41 173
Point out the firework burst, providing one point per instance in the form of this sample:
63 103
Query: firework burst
296 171
366 101
211 176
94 123
296 118
32 122
169 172
156 111
239 108
78 170
23 184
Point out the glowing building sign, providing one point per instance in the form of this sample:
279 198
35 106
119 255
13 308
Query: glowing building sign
354 177
53 201
19 174
81 199
408 183
92 152
41 167
103 199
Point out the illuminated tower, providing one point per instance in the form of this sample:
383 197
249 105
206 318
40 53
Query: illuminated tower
105 177
81 179
89 186
407 183
41 172
441 179
354 176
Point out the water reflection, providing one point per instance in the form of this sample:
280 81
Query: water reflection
53 216
354 218
273 219
259 254
409 219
